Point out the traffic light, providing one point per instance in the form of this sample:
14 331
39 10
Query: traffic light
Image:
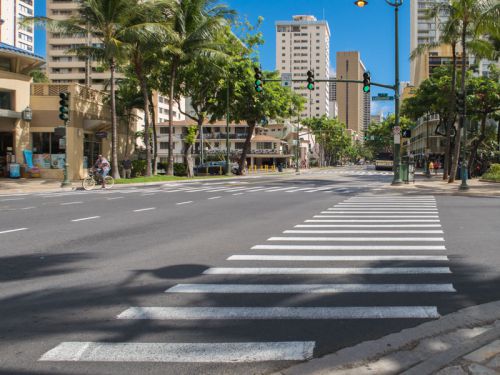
406 133
460 100
258 80
64 106
310 80
366 82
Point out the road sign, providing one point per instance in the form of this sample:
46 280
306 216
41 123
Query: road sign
286 79
382 96
396 130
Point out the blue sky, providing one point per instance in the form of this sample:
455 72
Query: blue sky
369 30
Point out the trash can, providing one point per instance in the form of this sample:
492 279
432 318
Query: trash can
280 167
404 171
14 170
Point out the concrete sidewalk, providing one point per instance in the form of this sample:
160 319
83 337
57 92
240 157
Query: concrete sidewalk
464 342
436 185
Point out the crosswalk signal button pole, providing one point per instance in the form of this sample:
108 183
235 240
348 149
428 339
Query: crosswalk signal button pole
310 80
366 82
64 106
258 80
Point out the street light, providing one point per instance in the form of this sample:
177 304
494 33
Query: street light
397 138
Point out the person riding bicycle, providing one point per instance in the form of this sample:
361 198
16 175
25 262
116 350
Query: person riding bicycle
102 167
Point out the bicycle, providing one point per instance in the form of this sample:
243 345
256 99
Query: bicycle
94 178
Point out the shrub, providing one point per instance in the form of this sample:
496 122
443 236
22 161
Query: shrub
138 168
493 173
180 169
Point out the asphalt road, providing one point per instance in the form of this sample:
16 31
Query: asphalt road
232 277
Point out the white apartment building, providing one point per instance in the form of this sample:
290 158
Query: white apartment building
304 44
11 32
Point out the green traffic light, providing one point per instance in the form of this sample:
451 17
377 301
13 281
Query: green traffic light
310 86
258 88
258 82
366 88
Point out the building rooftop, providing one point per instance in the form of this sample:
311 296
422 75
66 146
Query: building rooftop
20 51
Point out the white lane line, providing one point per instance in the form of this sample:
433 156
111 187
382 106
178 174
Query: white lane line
147 194
145 209
368 226
300 189
358 239
86 218
171 191
11 199
347 204
377 216
69 203
364 213
10 195
364 209
277 189
27 208
311 288
12 230
238 193
110 199
187 202
372 221
364 231
242 313
253 190
214 197
341 258
216 352
347 247
325 271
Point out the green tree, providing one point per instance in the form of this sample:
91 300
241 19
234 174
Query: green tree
483 102
246 105
332 137
379 137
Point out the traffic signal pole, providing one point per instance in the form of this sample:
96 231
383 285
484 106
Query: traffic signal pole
64 115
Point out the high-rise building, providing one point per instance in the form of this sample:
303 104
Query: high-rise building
11 32
426 31
304 44
353 103
65 67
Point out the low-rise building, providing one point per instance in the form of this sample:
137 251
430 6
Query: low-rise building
272 144
424 141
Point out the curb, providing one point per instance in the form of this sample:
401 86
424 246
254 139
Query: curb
367 351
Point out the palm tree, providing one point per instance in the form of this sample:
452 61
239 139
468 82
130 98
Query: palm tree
473 18
107 21
143 40
194 26
449 36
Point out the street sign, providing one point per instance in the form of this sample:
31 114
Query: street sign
396 130
397 135
286 79
101 134
382 96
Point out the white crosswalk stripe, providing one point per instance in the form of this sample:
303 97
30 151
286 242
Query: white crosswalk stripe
362 229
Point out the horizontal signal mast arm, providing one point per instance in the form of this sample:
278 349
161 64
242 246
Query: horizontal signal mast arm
334 80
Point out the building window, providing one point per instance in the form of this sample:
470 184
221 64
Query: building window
163 130
163 145
48 150
5 100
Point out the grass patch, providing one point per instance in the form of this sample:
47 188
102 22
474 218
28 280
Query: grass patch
493 173
160 178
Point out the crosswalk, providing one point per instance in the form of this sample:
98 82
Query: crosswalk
395 258
356 172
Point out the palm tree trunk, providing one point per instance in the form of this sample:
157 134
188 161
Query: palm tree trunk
115 172
250 129
173 71
451 121
456 151
155 134
144 89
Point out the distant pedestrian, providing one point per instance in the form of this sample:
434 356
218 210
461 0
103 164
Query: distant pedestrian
431 166
127 168
436 166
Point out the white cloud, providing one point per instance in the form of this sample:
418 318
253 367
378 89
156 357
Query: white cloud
383 107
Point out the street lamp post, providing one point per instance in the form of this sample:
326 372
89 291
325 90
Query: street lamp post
228 169
397 137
